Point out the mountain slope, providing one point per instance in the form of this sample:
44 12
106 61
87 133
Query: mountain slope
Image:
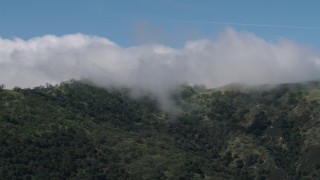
76 130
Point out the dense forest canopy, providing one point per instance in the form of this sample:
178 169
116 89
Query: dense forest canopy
77 131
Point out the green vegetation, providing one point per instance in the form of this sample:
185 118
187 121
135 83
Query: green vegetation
78 131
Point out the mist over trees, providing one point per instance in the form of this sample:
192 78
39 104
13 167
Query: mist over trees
231 57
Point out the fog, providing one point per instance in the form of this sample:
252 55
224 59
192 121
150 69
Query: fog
233 56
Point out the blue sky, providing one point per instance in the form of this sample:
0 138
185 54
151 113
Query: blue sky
132 22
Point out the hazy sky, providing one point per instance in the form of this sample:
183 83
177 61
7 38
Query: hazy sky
132 22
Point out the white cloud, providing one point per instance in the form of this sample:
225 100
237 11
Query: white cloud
232 57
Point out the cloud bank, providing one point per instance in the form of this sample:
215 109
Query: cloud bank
232 57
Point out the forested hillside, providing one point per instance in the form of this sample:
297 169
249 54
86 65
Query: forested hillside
78 131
